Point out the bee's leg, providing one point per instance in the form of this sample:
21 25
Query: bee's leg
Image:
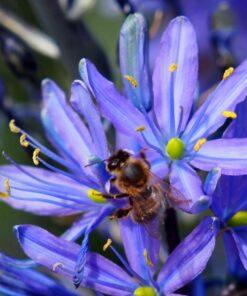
121 213
115 196
143 157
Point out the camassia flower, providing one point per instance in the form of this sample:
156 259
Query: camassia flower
77 188
158 113
230 205
134 277
17 278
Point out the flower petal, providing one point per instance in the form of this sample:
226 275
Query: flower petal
83 104
134 61
186 181
79 227
136 240
63 126
240 237
226 96
228 154
17 279
230 197
60 256
232 254
113 105
190 257
174 90
43 192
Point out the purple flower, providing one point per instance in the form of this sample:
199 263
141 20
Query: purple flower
17 278
181 139
230 205
76 188
136 277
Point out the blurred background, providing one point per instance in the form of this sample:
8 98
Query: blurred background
43 38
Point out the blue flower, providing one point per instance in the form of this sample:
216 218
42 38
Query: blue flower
17 278
230 205
135 277
180 139
74 187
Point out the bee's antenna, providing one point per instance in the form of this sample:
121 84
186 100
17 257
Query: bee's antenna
95 162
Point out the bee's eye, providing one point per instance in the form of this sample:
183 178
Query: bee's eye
112 165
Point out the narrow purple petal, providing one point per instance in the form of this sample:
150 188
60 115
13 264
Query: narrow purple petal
228 154
136 240
63 126
226 96
60 256
185 180
21 280
174 91
134 60
79 227
43 192
232 254
230 197
240 237
190 258
83 104
113 105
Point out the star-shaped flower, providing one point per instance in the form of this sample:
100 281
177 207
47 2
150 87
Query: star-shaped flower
159 113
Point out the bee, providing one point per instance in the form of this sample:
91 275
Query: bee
148 195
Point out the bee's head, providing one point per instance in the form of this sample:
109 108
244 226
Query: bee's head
117 160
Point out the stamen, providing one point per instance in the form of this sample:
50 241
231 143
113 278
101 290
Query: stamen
229 114
228 72
13 128
107 244
4 194
23 141
36 156
96 196
140 128
7 186
131 80
147 258
62 190
173 67
56 265
199 144
127 267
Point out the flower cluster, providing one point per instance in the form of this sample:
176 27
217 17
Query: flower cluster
158 124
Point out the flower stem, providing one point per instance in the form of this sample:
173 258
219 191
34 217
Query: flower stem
171 229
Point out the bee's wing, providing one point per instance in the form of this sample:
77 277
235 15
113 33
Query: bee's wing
153 227
173 196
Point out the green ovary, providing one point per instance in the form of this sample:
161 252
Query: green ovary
175 148
145 291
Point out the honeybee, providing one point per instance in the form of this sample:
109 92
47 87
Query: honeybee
148 195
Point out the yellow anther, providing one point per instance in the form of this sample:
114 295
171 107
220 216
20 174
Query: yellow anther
140 128
228 72
56 265
96 196
107 244
23 141
173 67
7 186
4 194
13 128
199 144
147 258
131 80
229 114
36 156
